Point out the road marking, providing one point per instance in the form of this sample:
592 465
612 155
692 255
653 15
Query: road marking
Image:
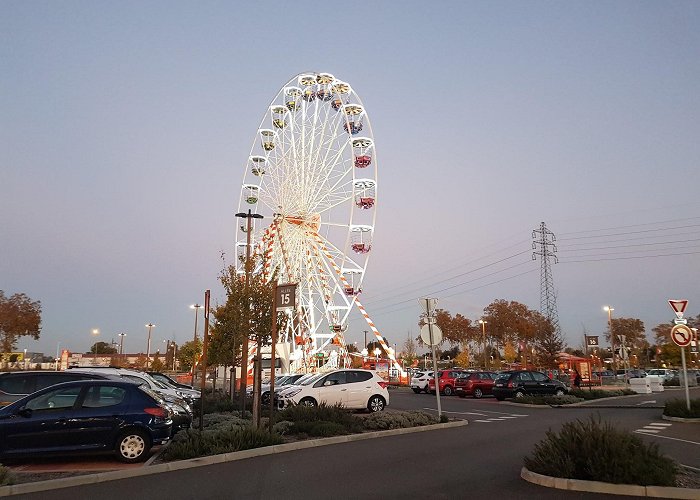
666 437
511 416
647 403
659 424
485 421
648 430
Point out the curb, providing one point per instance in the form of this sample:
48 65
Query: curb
562 483
102 477
681 419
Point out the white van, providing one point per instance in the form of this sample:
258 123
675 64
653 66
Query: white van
663 373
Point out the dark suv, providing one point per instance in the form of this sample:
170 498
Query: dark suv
519 383
16 385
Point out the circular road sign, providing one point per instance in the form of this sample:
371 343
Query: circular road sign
681 335
425 335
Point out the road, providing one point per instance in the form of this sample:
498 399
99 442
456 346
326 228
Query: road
480 460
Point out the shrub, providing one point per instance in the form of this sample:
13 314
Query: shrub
194 443
548 400
6 476
224 420
215 403
596 451
383 420
319 428
600 393
679 408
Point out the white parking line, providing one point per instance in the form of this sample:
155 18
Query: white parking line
659 424
672 439
485 421
648 430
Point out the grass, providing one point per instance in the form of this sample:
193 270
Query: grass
679 408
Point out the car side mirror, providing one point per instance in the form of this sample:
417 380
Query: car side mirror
25 412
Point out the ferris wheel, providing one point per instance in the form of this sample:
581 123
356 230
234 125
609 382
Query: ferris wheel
312 175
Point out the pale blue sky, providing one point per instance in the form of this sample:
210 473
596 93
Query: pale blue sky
125 126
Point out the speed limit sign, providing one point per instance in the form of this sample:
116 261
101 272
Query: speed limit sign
286 296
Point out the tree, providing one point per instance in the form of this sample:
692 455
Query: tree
463 359
549 341
19 317
103 348
409 355
631 330
157 365
189 353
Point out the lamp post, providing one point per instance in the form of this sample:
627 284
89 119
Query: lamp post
377 351
148 346
121 347
196 308
248 269
95 333
24 359
483 340
612 338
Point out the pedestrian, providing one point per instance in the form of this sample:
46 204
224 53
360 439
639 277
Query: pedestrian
577 379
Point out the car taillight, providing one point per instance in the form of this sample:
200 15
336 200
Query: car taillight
383 384
157 412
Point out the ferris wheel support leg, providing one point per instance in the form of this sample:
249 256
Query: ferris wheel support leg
380 339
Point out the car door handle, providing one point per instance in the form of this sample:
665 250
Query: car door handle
342 390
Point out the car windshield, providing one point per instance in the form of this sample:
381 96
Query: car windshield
503 376
311 379
417 375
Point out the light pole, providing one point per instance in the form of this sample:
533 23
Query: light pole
196 308
483 340
377 351
148 346
612 338
24 359
121 347
95 333
248 269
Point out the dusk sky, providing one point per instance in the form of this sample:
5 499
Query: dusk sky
125 128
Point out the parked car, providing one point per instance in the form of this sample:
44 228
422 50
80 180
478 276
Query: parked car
284 381
88 416
350 388
476 384
166 379
16 385
189 395
631 373
519 383
446 381
419 381
665 373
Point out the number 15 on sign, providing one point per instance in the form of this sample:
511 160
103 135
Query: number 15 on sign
286 296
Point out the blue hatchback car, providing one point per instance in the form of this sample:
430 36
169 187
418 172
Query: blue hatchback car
86 416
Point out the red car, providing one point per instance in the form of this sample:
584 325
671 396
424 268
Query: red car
446 380
475 384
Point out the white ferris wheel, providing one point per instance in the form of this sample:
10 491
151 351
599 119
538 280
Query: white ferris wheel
312 175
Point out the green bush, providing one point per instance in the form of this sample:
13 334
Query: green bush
596 451
300 417
679 408
384 420
319 428
223 420
6 476
193 443
600 393
548 400
215 403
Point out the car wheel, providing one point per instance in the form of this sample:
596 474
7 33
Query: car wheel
265 398
133 446
376 403
519 394
477 393
447 390
416 391
308 402
560 392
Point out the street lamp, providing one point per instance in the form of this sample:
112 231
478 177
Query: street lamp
612 337
248 269
148 346
95 333
24 359
377 351
196 308
121 343
483 339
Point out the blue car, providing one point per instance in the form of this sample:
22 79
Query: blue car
88 416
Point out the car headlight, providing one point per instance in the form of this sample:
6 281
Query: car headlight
291 393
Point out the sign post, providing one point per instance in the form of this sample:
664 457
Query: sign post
682 335
434 337
285 298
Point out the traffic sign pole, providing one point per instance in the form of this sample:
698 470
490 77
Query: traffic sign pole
682 335
428 303
685 376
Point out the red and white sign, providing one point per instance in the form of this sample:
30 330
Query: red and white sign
681 335
678 306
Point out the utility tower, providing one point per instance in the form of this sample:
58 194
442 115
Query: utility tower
544 246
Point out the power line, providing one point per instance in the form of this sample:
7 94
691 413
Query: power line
629 246
630 258
631 225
